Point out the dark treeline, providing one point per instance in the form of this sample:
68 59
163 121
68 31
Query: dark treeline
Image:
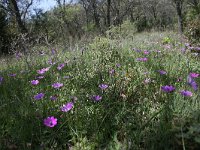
74 20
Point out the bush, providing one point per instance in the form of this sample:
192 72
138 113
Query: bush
193 24
126 29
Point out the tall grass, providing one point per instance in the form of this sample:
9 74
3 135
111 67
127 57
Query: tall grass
134 113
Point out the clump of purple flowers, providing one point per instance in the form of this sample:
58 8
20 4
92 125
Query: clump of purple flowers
53 51
136 50
50 121
60 66
192 82
103 86
162 72
186 93
1 79
112 71
67 107
118 65
34 82
147 80
142 59
168 88
96 98
50 62
12 75
39 96
53 98
57 85
146 52
40 77
43 70
194 75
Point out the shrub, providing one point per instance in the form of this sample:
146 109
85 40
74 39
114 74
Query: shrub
193 24
193 30
126 29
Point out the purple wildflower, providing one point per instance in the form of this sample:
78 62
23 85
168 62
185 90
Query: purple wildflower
18 55
66 77
40 77
43 70
112 71
158 51
53 98
147 80
12 75
187 44
39 96
194 75
67 107
186 93
46 69
162 72
50 121
183 50
167 46
192 83
50 62
136 50
96 98
118 65
103 86
142 59
60 66
146 52
53 51
168 88
1 79
57 85
34 82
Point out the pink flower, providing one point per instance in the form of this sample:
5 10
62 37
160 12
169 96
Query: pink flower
146 52
96 98
39 96
50 121
43 70
142 59
67 107
34 82
168 88
57 85
194 75
162 72
186 93
103 86
60 66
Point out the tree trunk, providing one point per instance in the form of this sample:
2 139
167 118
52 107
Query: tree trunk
180 16
108 12
20 23
96 16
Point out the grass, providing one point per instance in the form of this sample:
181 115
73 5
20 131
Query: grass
134 113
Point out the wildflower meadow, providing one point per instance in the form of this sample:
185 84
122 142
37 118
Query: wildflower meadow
118 94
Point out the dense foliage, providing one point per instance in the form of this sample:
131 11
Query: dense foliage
69 23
